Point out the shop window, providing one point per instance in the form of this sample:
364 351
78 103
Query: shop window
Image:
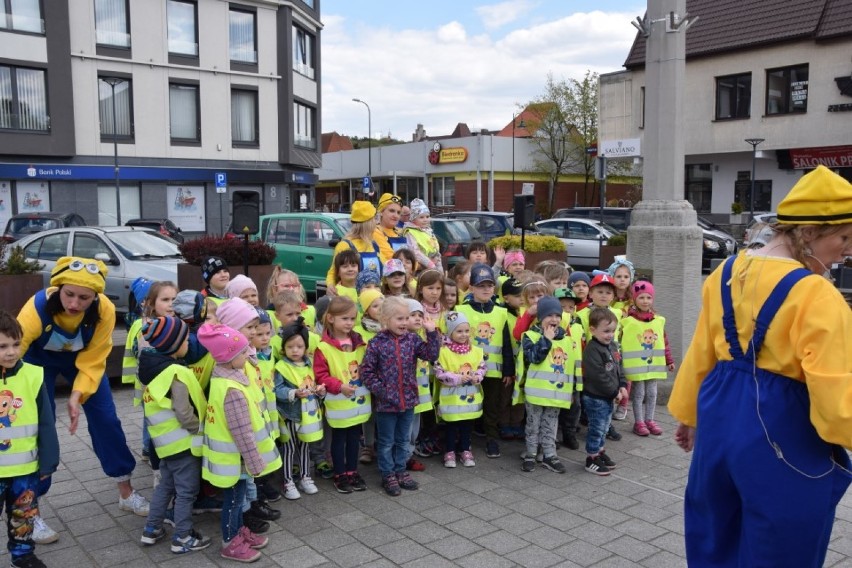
130 208
787 90
444 191
699 186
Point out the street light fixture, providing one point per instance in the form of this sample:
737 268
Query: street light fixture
754 143
113 82
521 125
369 142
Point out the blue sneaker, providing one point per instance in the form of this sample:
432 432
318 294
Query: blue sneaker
191 542
152 535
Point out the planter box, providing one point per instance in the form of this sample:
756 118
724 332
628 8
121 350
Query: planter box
608 254
189 278
533 258
17 289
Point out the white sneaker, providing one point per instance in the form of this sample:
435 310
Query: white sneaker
136 504
43 534
306 484
290 491
620 413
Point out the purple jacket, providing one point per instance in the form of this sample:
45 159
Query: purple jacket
388 368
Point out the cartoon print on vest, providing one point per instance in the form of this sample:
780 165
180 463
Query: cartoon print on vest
484 333
310 385
355 381
8 406
466 374
557 363
647 340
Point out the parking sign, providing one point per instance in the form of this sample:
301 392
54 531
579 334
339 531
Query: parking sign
221 182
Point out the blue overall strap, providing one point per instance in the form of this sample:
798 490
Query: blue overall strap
770 308
351 245
728 320
40 303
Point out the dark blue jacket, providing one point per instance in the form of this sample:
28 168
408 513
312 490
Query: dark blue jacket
388 368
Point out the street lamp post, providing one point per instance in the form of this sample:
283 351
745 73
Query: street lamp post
754 143
521 125
113 82
369 142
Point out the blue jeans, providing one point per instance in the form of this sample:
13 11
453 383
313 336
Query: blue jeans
21 497
599 413
232 510
393 430
181 479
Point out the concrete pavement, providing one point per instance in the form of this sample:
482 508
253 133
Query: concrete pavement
489 516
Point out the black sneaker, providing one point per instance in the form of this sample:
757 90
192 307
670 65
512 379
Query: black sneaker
596 465
150 535
357 482
607 461
492 449
391 485
407 482
611 434
262 510
266 488
254 524
27 561
341 483
569 440
190 543
553 464
529 464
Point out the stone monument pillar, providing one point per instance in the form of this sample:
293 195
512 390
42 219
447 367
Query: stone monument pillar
663 236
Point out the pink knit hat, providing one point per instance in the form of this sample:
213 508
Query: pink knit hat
236 313
643 287
223 342
514 256
239 284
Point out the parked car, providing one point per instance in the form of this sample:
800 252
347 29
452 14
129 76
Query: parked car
304 242
617 217
582 238
454 236
165 227
489 224
711 228
128 252
756 226
24 224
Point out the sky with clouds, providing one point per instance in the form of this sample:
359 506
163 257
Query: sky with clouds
442 62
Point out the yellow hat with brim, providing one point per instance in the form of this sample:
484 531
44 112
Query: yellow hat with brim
386 199
85 272
362 211
820 197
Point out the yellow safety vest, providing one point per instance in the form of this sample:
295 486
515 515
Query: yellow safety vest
621 306
551 382
425 242
422 373
511 320
168 436
19 424
309 427
486 332
365 335
462 402
203 369
643 348
345 411
221 462
264 379
583 317
129 365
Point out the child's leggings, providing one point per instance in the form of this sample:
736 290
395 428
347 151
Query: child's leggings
292 449
646 390
345 443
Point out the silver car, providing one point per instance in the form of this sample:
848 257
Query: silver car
128 252
582 238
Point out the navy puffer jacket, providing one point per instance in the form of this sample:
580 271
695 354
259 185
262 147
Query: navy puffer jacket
388 368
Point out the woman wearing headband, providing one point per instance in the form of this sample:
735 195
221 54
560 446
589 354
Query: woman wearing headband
765 391
68 331
386 235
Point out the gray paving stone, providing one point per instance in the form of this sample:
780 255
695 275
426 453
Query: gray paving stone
672 543
502 496
402 551
477 485
582 553
501 542
91 525
562 520
95 542
430 561
453 547
308 525
400 517
548 537
594 533
664 559
605 516
425 532
352 521
350 555
327 539
484 559
640 529
531 507
79 511
303 556
516 523
534 557
628 547
376 535
471 527
380 563
461 499
444 514
614 562
487 511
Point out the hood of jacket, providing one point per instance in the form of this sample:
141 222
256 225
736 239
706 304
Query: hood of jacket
151 364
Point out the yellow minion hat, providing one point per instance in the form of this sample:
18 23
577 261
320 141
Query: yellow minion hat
85 272
388 198
367 297
819 198
362 211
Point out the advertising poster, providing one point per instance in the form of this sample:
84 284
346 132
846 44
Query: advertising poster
5 203
33 196
185 206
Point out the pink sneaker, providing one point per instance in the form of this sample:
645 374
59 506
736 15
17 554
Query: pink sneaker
238 549
467 459
640 429
254 541
653 427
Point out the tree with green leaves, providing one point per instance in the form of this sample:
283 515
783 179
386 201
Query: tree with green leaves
563 122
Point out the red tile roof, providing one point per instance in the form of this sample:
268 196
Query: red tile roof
334 142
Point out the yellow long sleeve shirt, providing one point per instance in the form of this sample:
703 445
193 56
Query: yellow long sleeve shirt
809 340
91 361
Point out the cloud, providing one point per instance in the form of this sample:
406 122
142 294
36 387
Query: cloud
498 15
444 76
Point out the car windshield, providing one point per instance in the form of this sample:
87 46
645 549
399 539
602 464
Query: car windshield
459 231
33 225
608 227
139 245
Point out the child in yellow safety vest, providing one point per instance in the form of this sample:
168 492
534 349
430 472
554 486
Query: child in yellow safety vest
459 369
646 355
347 264
236 437
421 239
422 372
622 273
347 403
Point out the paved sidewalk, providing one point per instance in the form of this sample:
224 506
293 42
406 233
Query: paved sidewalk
489 516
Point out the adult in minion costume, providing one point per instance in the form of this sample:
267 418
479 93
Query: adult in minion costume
386 235
764 394
360 239
68 331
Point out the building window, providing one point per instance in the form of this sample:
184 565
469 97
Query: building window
762 192
107 211
733 96
243 36
244 123
112 24
699 186
123 101
184 119
183 28
23 99
304 126
22 16
303 52
444 191
787 90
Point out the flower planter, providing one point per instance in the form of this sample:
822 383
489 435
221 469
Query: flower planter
608 254
189 277
533 258
17 289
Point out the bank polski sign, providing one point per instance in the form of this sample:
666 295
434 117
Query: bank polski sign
625 148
